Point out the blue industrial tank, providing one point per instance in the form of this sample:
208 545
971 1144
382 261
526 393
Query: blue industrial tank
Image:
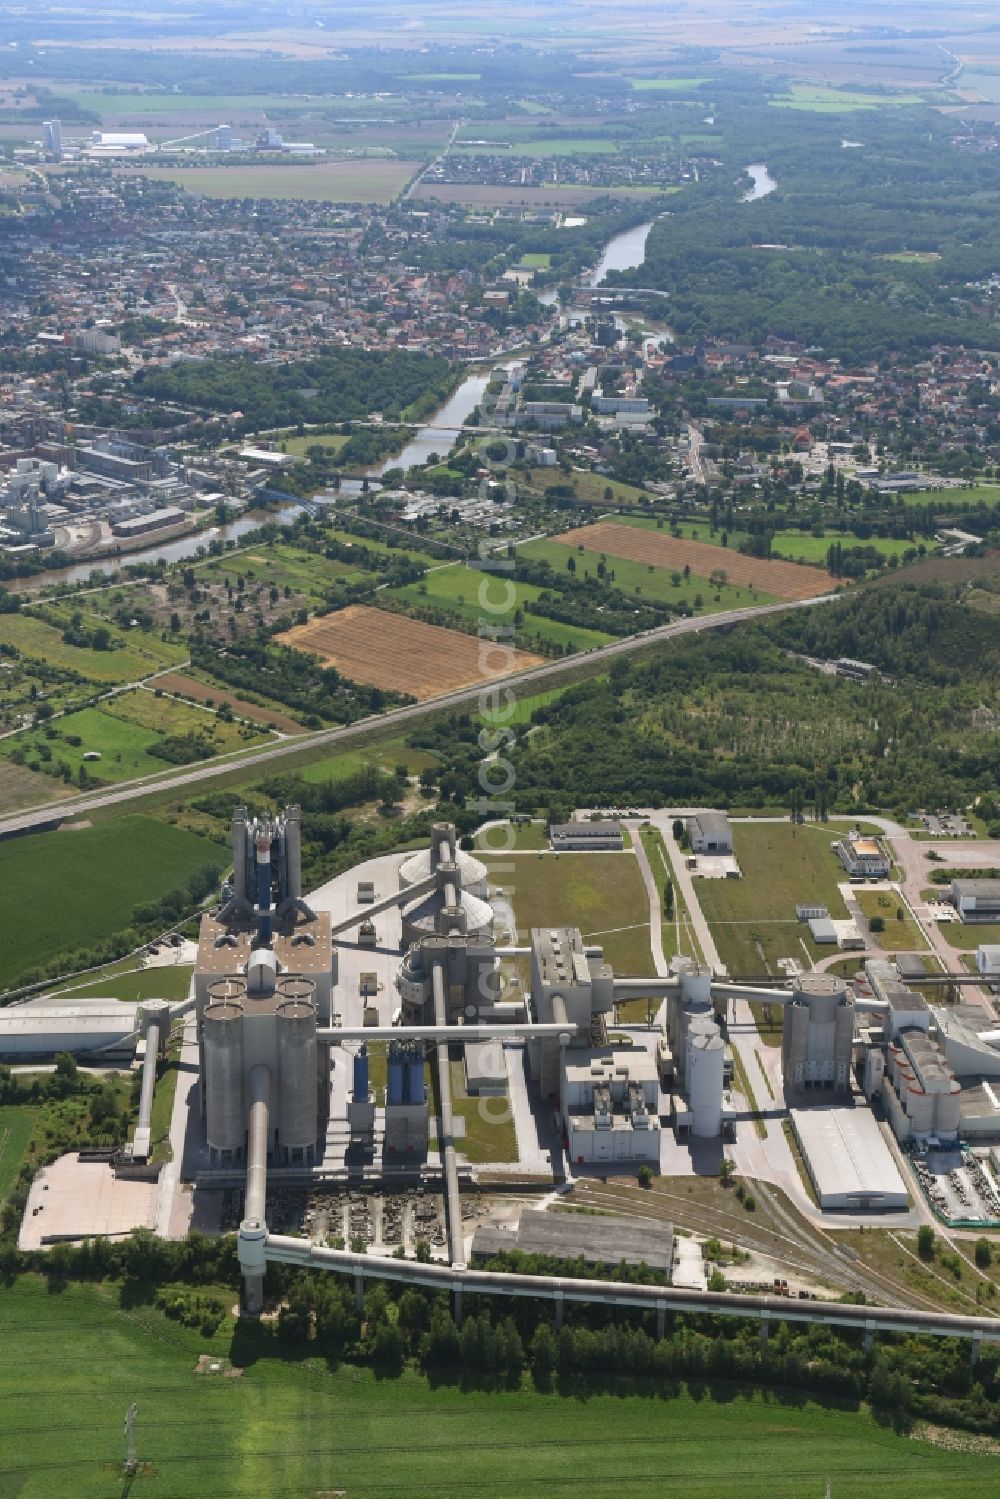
396 1091
415 1080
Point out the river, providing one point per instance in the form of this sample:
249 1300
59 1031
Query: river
763 182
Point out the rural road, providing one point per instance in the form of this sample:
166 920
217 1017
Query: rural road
535 676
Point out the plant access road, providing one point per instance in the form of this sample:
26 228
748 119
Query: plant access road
130 791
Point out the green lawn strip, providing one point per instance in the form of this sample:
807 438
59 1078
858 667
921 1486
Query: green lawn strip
124 982
743 1084
901 934
18 1124
65 890
678 932
297 1425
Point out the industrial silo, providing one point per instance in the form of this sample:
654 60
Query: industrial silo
222 1075
473 875
295 1017
706 1055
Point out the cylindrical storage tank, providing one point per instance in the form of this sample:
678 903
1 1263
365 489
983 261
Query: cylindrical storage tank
295 1018
222 1077
696 985
949 1112
361 1074
395 1080
155 1012
415 1080
704 1085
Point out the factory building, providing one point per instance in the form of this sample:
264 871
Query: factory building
864 858
976 900
610 1106
568 984
818 1033
710 833
263 984
848 1161
988 963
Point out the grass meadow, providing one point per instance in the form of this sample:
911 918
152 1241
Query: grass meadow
65 890
76 1359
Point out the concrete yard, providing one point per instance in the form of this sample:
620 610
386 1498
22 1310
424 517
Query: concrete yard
78 1199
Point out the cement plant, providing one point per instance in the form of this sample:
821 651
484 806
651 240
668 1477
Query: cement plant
338 1045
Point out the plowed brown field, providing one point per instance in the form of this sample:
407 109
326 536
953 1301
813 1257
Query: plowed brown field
402 654
785 580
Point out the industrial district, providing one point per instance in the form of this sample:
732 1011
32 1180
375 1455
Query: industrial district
328 1037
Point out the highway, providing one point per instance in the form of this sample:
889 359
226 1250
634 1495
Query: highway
531 679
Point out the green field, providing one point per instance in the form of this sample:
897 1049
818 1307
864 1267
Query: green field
972 494
325 181
602 894
792 546
537 259
301 1428
834 100
647 582
783 865
133 655
456 589
60 891
667 85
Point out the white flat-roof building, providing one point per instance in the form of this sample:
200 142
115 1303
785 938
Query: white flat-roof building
864 858
848 1161
43 1029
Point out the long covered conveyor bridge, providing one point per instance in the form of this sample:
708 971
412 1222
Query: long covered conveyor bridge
256 1250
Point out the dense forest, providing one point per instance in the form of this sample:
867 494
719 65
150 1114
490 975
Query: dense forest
796 265
738 719
341 385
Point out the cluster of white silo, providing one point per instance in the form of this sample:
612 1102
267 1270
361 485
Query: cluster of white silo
242 1029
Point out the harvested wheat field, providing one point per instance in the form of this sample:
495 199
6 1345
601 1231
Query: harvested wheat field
785 580
402 654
